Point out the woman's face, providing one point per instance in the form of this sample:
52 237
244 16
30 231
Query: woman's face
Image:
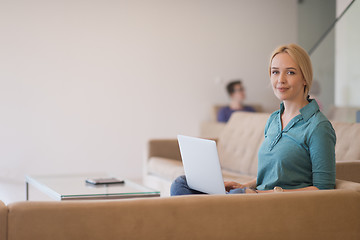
286 78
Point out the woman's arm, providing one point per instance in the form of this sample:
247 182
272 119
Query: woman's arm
311 188
322 154
252 185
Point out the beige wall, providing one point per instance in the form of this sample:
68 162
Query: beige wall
347 49
315 17
84 84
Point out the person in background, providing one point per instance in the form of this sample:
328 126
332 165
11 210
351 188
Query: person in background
237 95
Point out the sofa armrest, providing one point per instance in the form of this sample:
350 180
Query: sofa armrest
165 148
3 221
349 171
342 184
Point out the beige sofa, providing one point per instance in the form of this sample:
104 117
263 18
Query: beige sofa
3 221
330 214
238 145
308 215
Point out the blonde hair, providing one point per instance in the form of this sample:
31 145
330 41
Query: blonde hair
301 58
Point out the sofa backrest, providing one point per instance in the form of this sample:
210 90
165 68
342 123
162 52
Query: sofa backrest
240 140
348 141
3 221
242 136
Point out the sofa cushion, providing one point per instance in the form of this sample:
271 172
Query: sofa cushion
348 170
240 140
211 129
233 176
166 168
3 221
347 185
347 141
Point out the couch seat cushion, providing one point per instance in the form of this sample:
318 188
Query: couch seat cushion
165 168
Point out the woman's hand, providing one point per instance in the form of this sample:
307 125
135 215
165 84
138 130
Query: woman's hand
233 185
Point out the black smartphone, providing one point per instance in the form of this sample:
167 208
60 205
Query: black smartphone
99 181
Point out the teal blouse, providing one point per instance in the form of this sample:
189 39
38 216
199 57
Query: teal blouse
300 155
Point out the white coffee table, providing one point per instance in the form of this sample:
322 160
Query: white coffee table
74 187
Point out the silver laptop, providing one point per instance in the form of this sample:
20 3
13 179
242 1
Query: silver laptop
201 164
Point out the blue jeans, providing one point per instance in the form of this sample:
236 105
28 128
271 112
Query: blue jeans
180 187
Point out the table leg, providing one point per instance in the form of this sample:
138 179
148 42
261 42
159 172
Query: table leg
27 191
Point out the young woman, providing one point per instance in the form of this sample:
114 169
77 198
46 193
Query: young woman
298 151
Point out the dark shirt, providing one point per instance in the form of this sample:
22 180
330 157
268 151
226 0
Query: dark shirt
225 113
